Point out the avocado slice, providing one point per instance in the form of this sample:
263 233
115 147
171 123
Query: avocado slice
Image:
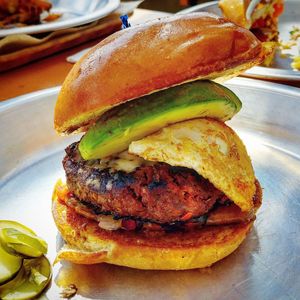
133 120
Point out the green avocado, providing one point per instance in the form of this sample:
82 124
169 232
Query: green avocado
133 120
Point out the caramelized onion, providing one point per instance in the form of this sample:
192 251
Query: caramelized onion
108 223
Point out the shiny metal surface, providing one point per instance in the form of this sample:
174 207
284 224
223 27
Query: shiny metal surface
266 266
280 68
74 13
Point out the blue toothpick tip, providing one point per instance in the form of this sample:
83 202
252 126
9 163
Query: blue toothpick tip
125 23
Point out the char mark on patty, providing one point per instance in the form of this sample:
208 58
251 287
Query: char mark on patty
157 192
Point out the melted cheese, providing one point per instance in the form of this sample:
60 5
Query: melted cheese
123 161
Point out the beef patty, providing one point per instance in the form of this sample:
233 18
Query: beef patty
157 191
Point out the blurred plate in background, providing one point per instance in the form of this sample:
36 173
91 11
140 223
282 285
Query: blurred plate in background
280 69
74 13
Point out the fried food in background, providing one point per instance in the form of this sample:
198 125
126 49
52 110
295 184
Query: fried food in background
24 12
261 17
293 42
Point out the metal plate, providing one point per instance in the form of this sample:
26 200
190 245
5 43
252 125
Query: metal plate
280 68
74 13
266 266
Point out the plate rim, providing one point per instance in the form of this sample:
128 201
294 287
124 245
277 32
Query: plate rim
27 98
109 7
257 71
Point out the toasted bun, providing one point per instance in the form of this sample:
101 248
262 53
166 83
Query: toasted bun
149 57
87 243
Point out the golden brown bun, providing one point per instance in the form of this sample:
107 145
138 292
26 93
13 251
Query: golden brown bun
149 57
87 243
233 214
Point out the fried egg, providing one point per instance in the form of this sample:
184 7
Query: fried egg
209 147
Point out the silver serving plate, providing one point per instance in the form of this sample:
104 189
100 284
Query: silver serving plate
280 68
73 13
266 266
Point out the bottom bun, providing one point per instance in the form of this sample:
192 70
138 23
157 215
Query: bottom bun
87 243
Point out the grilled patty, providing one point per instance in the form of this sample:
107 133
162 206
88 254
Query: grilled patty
157 192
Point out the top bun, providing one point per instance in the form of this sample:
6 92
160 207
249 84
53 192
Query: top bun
149 57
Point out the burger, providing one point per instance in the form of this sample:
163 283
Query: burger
158 180
259 16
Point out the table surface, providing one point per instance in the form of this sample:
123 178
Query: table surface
51 71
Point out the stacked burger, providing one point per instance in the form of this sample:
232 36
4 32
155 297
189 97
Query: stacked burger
158 180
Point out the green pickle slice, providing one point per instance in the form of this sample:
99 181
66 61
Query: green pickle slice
9 265
22 278
22 244
16 225
33 278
